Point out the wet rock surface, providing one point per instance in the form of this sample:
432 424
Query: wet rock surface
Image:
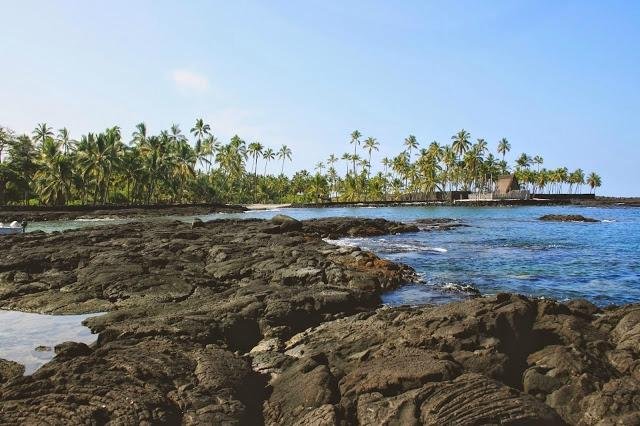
439 224
566 218
338 227
262 322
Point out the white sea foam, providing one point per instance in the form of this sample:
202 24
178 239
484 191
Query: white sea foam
608 221
437 249
522 276
462 288
342 242
97 219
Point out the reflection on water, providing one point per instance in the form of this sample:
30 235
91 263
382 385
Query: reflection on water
21 333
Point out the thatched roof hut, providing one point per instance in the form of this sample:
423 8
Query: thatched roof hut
506 184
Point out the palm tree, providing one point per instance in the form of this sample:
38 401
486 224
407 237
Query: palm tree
183 162
332 160
346 157
140 134
594 181
54 173
461 142
538 160
503 147
6 137
284 153
523 162
411 143
65 141
176 134
255 150
481 146
576 178
42 132
200 130
268 155
355 140
205 150
449 160
370 144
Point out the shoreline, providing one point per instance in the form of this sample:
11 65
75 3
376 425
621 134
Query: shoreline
597 202
44 213
263 322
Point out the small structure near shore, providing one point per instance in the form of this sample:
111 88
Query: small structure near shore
507 188
506 184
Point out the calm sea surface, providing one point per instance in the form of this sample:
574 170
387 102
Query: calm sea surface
503 249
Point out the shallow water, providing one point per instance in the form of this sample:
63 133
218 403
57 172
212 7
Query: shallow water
504 249
21 333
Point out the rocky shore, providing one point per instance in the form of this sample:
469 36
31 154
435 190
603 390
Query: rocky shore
8 214
263 322
567 218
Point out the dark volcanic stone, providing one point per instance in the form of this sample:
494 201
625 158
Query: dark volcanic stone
183 305
335 227
494 360
566 218
287 223
243 322
439 224
10 370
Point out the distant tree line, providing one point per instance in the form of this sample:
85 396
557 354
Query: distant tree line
49 167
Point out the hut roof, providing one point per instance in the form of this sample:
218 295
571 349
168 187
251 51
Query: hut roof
507 183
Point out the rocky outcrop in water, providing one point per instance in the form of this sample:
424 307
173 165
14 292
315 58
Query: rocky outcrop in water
439 224
262 322
566 218
339 227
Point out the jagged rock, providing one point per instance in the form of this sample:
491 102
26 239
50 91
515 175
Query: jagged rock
242 322
10 370
439 224
566 218
286 223
501 359
335 227
183 305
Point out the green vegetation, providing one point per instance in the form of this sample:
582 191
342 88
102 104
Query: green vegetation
99 168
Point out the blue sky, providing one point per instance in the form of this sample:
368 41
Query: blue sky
557 78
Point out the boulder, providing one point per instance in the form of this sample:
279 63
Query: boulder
286 223
566 218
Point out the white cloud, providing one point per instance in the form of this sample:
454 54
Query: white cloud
190 81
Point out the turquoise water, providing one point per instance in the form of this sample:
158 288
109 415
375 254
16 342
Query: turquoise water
503 249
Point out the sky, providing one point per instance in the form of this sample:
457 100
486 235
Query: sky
560 79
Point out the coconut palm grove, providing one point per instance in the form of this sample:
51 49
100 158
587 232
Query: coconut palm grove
49 167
